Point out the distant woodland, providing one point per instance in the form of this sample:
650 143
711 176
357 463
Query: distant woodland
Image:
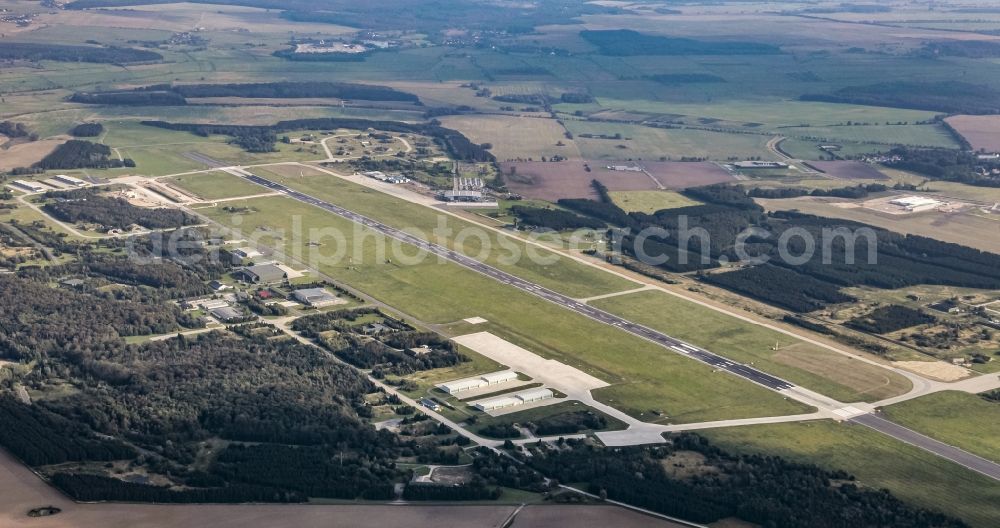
88 205
177 94
625 42
54 52
941 96
80 154
263 138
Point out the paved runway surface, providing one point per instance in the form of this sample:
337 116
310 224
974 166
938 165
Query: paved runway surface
664 340
956 455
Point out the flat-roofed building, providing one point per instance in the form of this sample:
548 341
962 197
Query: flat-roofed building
30 185
496 378
916 203
315 297
246 252
261 274
476 382
462 385
69 180
500 402
533 395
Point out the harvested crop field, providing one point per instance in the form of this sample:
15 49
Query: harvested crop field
679 175
516 138
586 517
982 132
848 170
569 179
26 154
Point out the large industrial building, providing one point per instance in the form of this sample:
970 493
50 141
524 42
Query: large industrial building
69 180
477 382
916 204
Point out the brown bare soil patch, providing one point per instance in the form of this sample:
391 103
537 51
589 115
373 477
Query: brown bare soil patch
679 175
25 154
934 369
848 170
982 132
586 517
569 179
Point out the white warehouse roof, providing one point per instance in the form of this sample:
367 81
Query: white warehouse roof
498 403
499 377
462 385
534 395
914 201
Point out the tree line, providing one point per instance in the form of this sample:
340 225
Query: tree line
63 53
178 94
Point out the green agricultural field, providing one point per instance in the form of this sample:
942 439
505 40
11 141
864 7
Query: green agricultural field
641 142
813 367
772 113
645 376
215 185
650 201
960 419
564 275
878 461
915 135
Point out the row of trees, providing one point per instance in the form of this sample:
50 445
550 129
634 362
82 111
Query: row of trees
177 94
940 96
55 52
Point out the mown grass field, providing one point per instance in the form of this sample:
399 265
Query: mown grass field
813 367
650 201
516 137
963 420
215 185
645 376
505 252
878 461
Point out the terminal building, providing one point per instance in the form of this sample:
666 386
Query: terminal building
478 382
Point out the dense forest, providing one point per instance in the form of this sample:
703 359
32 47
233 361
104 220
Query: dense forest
765 491
625 42
685 78
852 192
947 165
260 137
729 225
79 154
87 130
88 205
177 94
557 219
886 319
940 96
54 52
16 130
392 350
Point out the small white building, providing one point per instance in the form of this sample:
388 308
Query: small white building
247 252
69 180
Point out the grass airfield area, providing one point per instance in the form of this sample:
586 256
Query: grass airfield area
877 461
646 377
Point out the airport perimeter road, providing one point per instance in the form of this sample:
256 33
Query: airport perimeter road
941 449
675 345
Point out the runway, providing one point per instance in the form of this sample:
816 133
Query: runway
964 458
675 345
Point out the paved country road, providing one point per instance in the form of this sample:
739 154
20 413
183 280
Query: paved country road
941 449
673 344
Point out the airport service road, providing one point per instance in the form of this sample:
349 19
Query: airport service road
941 449
676 345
